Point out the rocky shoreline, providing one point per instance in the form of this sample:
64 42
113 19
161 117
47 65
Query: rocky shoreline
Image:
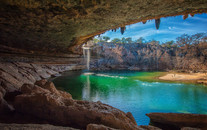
27 98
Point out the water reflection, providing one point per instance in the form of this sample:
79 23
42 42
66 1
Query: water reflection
138 97
86 89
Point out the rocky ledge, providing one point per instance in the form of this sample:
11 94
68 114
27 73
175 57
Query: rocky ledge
44 102
178 121
14 74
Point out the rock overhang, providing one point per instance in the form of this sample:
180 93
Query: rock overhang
61 25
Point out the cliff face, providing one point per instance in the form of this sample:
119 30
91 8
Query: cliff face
149 57
58 25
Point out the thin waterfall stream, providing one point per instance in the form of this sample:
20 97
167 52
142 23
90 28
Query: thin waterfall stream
87 53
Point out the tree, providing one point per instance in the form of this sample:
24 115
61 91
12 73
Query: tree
184 40
95 40
169 44
116 40
154 42
123 40
197 38
106 38
129 40
140 40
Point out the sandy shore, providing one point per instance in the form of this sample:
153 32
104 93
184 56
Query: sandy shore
198 77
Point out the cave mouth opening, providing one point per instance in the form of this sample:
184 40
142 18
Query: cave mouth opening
134 67
177 42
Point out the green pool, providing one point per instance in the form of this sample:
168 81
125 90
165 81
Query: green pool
133 92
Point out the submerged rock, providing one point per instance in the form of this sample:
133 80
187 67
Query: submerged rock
58 107
178 120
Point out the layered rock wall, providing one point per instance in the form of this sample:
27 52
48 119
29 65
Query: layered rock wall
136 56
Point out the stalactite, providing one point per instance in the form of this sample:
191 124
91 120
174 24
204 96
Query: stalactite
144 22
185 16
122 30
157 23
192 15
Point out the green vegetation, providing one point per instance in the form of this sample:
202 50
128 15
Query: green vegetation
184 40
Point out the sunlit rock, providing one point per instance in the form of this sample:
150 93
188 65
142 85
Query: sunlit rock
178 120
58 107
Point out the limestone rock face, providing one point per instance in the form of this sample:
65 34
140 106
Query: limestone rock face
14 74
141 56
56 25
58 107
178 120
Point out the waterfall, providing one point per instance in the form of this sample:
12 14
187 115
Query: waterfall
87 52
87 88
84 53
87 55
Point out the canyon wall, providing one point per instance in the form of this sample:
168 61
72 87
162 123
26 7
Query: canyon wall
149 57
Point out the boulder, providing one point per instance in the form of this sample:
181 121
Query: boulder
58 107
51 87
178 120
41 82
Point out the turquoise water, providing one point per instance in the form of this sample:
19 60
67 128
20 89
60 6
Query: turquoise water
125 90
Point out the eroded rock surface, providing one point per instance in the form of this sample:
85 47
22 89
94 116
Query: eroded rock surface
148 57
58 107
56 25
14 74
178 120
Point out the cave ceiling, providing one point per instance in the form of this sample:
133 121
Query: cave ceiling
60 25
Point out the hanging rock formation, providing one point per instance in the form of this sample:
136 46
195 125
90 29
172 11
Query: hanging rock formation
58 25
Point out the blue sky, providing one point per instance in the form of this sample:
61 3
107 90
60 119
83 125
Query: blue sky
170 28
